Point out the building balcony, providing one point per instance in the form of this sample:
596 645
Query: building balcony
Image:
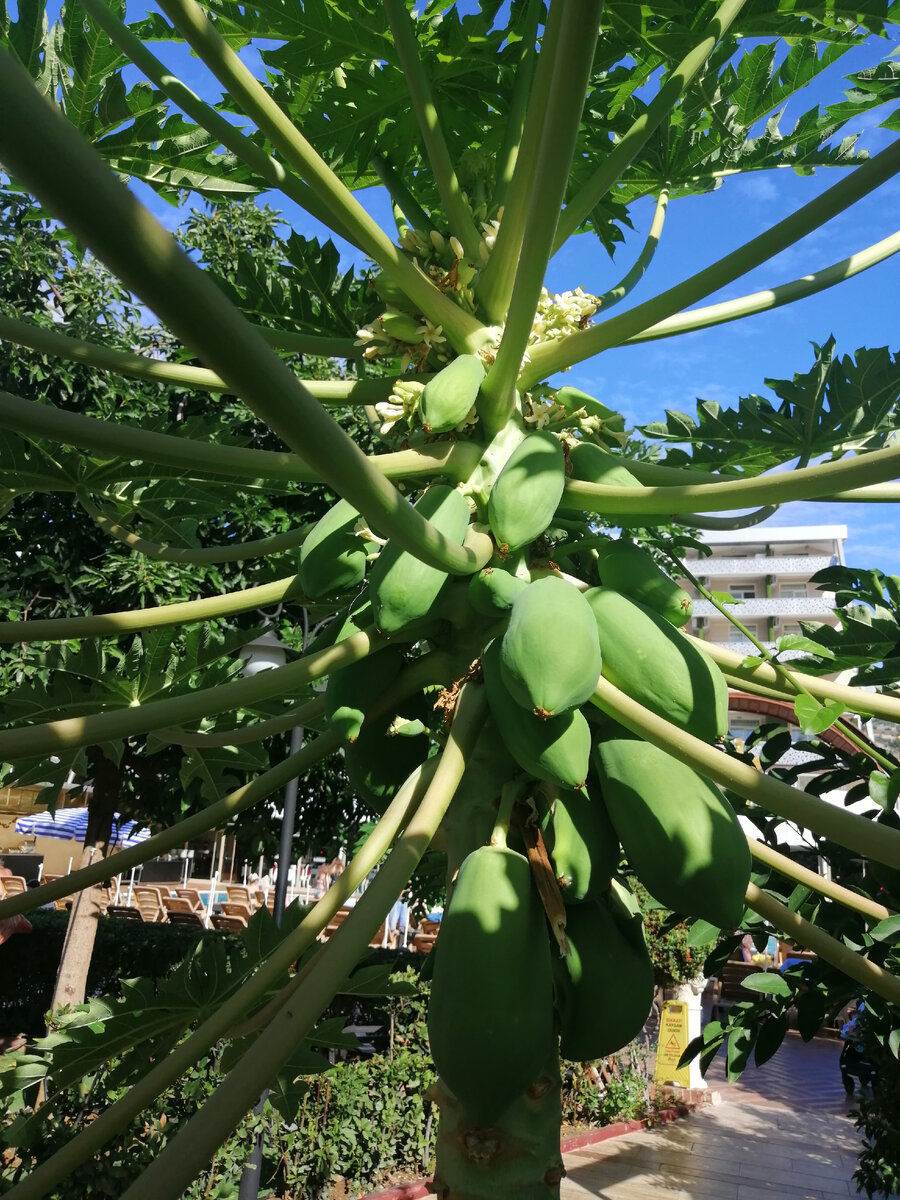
810 607
779 565
747 649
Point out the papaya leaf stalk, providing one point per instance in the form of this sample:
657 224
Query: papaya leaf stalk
113 624
804 933
812 879
464 332
269 168
51 736
856 833
566 352
48 155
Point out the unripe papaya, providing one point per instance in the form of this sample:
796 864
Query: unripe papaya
679 833
572 399
604 986
333 557
355 688
657 666
402 587
527 491
594 465
492 591
402 326
391 293
550 652
378 761
556 750
631 570
450 396
490 1017
582 845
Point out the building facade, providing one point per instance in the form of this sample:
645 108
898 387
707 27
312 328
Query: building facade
768 570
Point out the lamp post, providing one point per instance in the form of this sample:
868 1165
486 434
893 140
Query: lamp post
263 654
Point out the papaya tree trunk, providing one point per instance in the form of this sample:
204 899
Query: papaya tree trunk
517 1158
81 931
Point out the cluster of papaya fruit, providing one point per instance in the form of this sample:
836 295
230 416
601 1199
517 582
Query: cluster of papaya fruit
595 792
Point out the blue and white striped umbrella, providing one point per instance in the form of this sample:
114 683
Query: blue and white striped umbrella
71 824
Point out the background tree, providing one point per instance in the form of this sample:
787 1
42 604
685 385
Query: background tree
492 157
65 562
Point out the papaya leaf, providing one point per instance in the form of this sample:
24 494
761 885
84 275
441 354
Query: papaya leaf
840 404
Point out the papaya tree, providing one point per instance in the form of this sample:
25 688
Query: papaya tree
505 681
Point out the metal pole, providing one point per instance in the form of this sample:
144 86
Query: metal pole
250 1178
288 818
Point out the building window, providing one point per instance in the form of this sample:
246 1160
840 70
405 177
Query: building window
793 591
743 591
790 627
736 635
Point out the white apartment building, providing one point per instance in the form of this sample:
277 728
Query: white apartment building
768 570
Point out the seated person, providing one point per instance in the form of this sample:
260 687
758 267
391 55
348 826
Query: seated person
398 922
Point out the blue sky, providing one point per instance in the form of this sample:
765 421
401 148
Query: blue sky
732 360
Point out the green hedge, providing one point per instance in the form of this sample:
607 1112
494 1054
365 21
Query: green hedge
123 950
365 1122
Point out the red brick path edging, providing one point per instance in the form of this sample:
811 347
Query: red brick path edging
421 1188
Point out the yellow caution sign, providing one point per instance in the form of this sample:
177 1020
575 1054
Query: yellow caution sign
673 1040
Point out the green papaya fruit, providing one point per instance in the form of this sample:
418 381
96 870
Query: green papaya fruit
355 688
402 326
604 986
556 750
582 845
490 1016
450 396
550 651
527 491
572 399
391 293
594 465
629 569
333 557
379 760
402 587
679 833
657 666
492 591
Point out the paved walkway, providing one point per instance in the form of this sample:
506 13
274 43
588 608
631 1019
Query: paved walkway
782 1132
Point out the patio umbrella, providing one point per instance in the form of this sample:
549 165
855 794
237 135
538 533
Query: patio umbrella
71 824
